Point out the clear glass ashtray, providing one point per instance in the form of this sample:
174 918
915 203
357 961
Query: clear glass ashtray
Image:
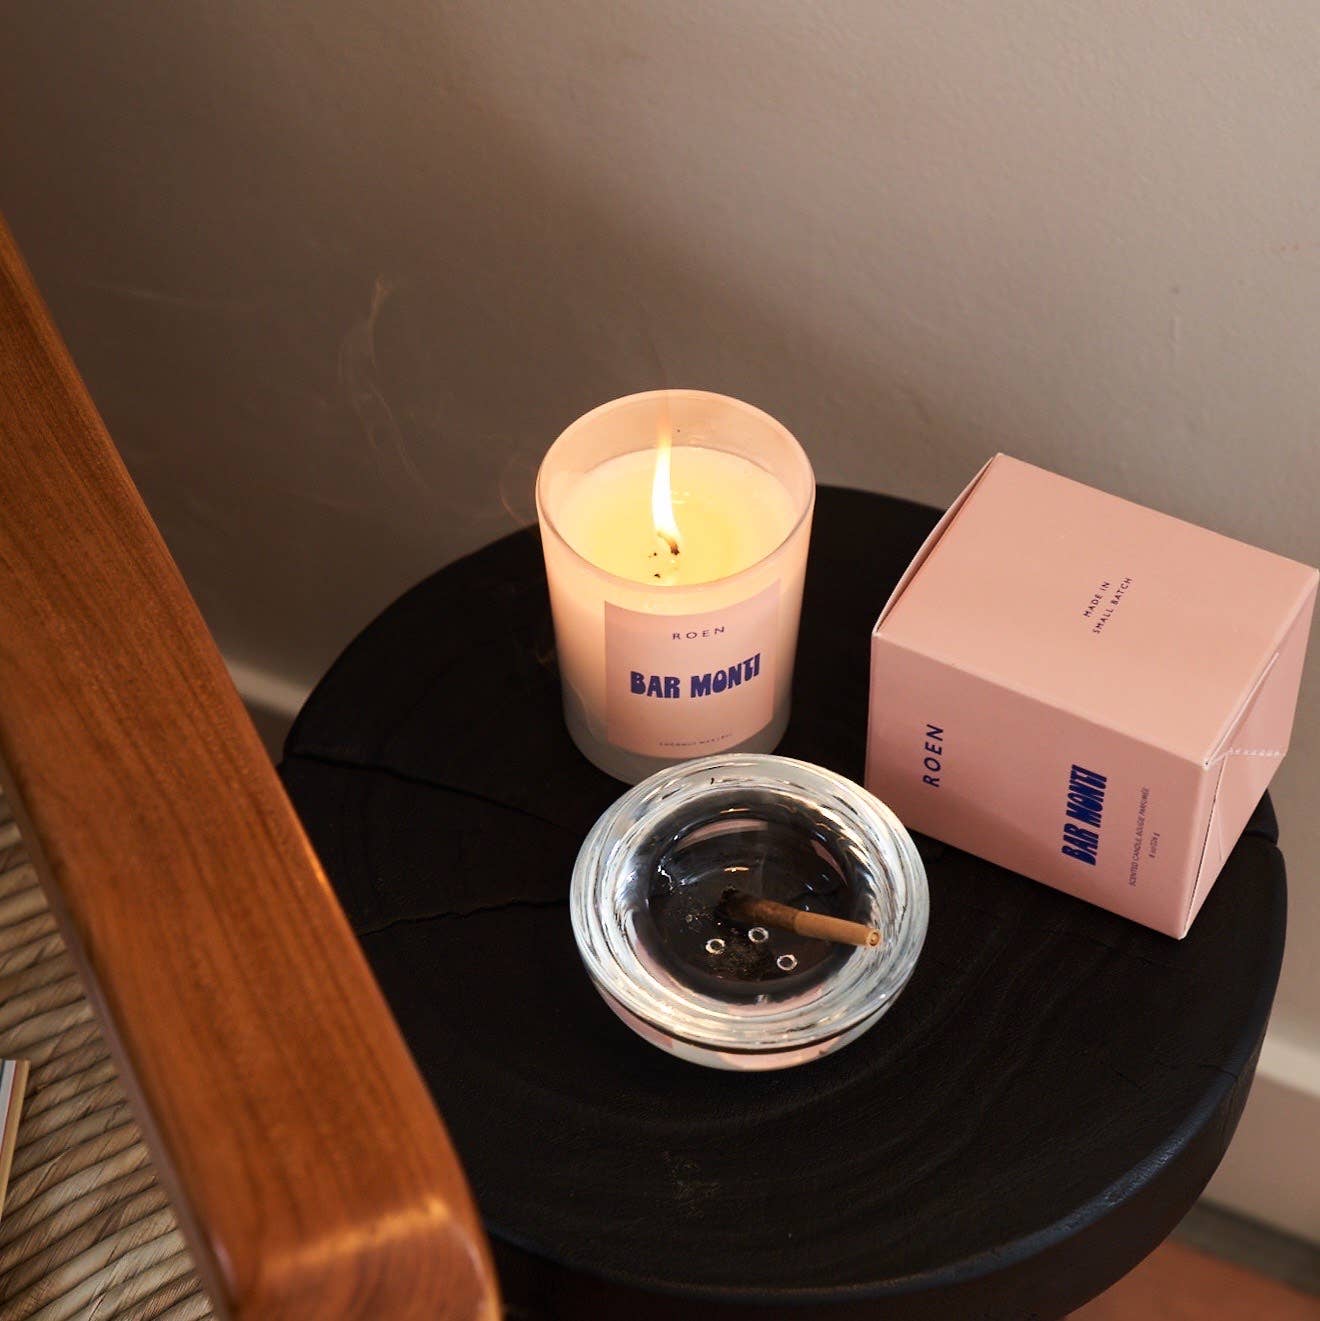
670 914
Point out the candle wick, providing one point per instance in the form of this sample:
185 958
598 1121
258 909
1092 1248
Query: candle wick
664 556
670 542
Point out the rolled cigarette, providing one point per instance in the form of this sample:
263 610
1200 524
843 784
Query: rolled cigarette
783 917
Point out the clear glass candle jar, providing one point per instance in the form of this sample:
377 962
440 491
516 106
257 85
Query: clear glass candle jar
669 656
650 907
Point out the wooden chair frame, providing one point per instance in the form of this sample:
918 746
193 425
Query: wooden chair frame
306 1162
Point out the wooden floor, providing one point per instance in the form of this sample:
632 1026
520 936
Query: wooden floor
1178 1283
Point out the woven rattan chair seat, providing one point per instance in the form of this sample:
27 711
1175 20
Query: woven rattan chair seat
86 1231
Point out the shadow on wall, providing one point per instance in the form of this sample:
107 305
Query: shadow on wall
336 284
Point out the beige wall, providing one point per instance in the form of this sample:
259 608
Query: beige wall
337 273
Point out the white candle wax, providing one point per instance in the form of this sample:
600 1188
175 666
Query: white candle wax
699 659
729 513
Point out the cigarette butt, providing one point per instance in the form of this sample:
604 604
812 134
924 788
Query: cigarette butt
783 917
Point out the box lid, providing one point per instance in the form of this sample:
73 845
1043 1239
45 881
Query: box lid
1117 613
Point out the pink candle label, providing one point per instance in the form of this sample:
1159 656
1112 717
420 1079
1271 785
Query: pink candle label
686 685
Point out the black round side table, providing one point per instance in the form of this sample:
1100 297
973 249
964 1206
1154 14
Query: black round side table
1035 1114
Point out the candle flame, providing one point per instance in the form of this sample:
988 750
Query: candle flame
662 497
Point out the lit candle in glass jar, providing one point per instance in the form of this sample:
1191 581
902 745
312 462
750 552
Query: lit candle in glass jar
675 527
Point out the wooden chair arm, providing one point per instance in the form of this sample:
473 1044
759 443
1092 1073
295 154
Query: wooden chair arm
306 1161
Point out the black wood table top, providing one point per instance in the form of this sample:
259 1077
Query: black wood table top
1038 1110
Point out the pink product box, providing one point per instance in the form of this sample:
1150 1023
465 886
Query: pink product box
1086 691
